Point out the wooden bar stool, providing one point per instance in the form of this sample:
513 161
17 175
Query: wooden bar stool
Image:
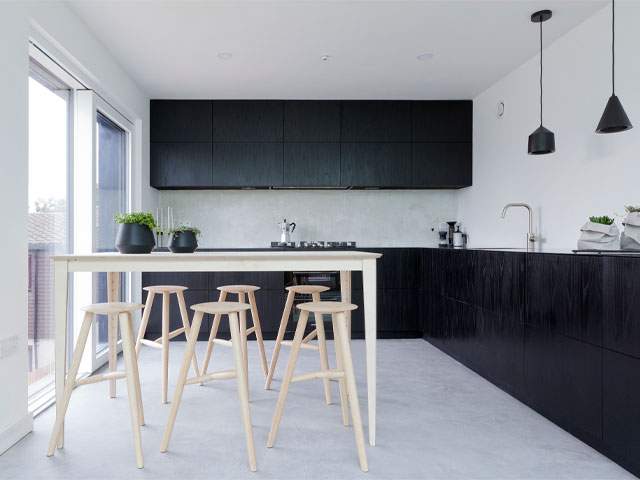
314 291
163 341
231 309
344 372
240 290
123 311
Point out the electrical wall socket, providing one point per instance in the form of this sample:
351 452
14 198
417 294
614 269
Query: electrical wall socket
8 346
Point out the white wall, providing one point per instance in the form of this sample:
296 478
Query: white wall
372 218
589 174
53 22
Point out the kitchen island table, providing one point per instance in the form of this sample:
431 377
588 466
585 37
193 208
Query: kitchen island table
236 261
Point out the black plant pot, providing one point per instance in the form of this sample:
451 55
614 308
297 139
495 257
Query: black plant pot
134 238
182 242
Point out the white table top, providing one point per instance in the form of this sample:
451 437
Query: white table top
236 254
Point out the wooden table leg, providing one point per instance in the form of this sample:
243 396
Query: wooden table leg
369 292
113 295
60 289
345 293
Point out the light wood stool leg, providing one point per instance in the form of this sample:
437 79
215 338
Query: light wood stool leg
182 378
351 389
341 381
128 351
322 347
243 337
281 331
187 328
258 332
145 320
243 391
288 375
70 381
136 374
212 336
113 295
165 345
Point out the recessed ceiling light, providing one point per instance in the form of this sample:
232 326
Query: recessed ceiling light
225 56
425 56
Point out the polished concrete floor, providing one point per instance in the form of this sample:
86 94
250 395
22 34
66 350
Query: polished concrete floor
436 420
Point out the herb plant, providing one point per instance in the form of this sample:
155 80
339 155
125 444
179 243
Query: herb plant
182 228
137 217
631 209
604 220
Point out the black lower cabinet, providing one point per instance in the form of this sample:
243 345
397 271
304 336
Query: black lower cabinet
621 411
563 381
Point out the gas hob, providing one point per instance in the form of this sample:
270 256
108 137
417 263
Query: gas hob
317 244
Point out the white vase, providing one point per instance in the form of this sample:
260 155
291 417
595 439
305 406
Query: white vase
630 238
597 236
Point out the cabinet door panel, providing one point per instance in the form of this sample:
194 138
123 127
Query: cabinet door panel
375 164
191 280
247 164
264 280
443 165
247 121
442 121
311 121
180 165
621 415
180 120
376 121
622 305
563 380
312 164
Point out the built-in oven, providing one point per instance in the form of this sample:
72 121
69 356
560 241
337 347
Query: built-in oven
325 279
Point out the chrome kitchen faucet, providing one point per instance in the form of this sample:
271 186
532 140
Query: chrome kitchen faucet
531 237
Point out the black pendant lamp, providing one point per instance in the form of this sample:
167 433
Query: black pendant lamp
614 119
542 140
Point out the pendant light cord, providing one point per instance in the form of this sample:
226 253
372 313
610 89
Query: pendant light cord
613 46
541 71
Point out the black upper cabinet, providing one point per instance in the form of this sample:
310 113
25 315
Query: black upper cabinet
375 164
180 165
180 120
311 121
442 121
247 121
312 164
242 164
376 121
441 165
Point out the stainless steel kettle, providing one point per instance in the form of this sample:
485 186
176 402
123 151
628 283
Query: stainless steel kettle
286 229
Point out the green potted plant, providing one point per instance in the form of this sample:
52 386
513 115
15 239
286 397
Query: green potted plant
599 233
630 238
183 238
135 232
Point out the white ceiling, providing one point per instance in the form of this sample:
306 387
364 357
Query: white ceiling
171 47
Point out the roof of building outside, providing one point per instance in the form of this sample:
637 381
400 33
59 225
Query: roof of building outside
47 228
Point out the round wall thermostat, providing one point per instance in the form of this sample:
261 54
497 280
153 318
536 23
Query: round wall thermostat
500 109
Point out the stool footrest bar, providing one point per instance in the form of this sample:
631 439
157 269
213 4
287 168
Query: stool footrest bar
330 374
222 375
100 378
305 346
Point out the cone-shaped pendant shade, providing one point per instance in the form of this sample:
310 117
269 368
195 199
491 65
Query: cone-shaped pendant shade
614 119
542 141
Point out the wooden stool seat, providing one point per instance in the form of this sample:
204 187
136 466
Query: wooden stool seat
165 288
232 310
112 307
327 307
123 312
344 373
238 288
307 289
214 308
162 342
241 291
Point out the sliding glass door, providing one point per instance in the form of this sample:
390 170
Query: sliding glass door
49 213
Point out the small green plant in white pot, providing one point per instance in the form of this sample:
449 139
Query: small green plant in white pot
630 238
599 233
